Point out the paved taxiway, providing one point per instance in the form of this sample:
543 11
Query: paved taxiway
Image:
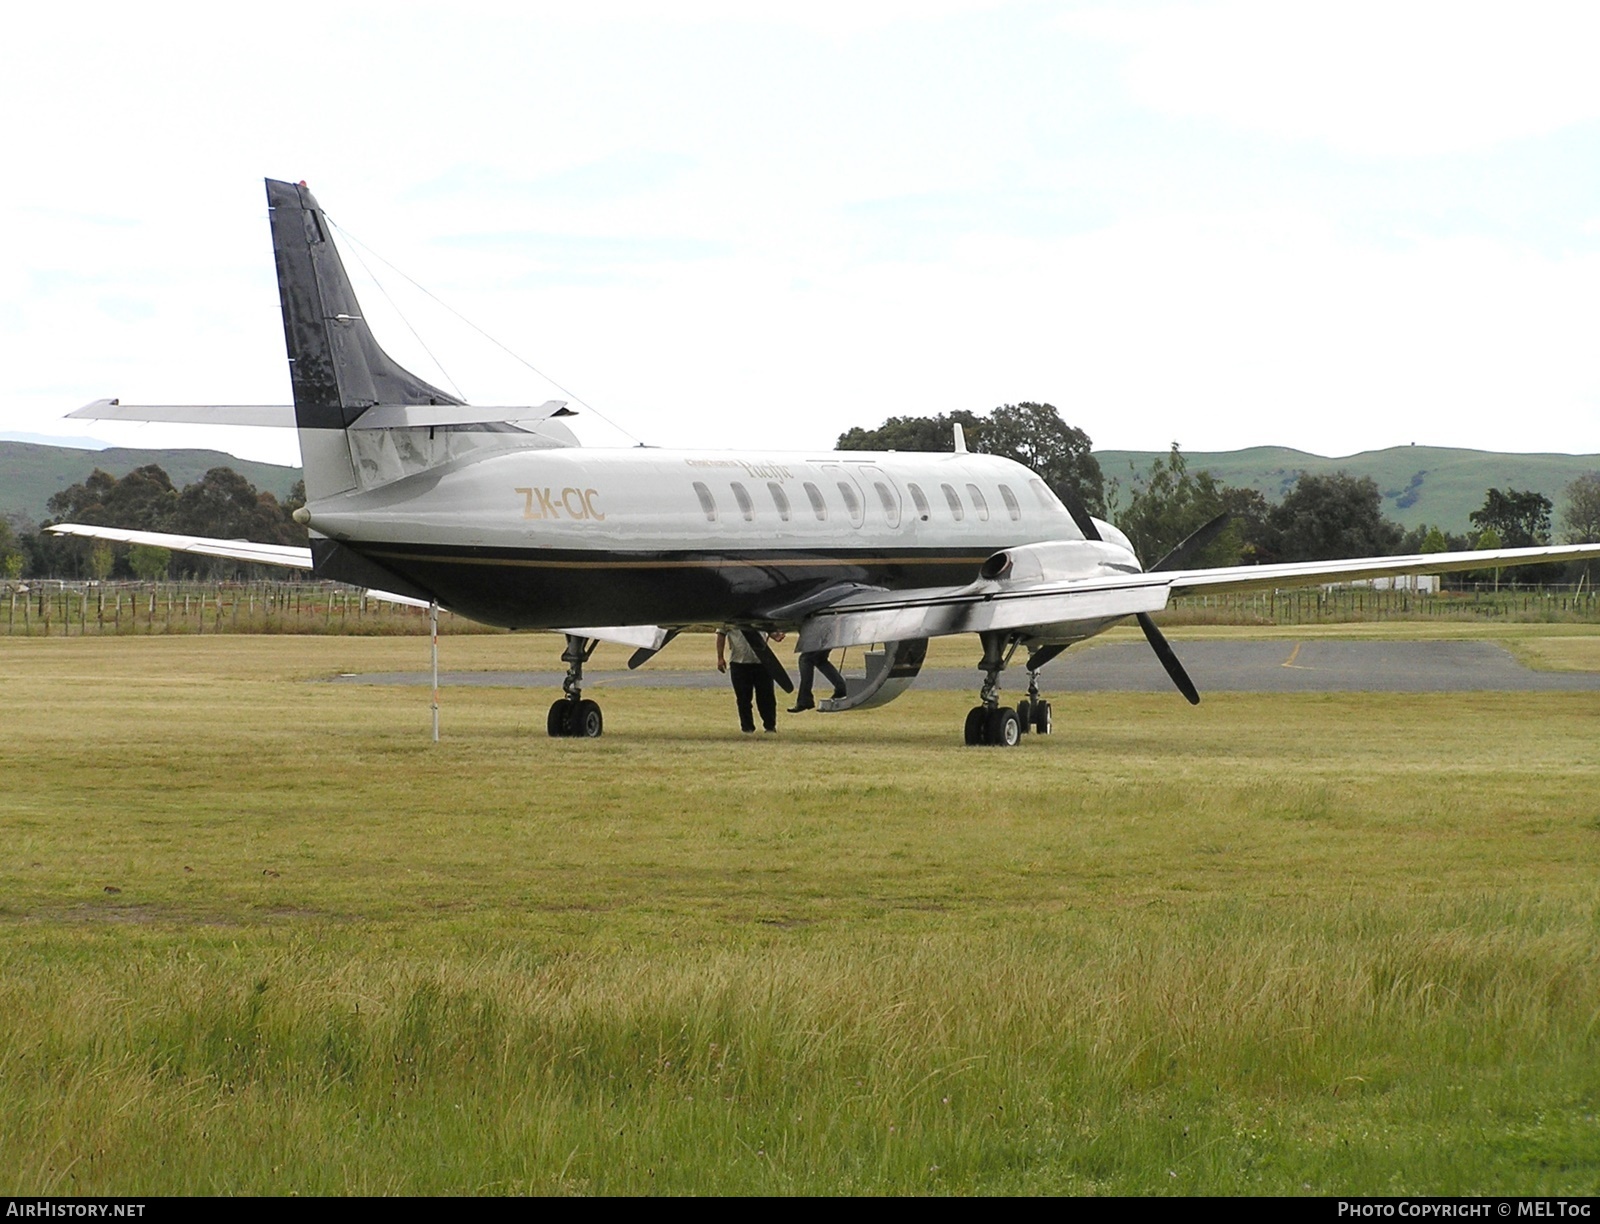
1322 666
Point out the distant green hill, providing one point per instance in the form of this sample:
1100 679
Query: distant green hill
30 473
1421 484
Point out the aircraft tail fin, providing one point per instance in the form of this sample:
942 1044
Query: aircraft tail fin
336 366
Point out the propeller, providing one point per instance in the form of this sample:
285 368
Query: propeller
644 654
769 661
1191 545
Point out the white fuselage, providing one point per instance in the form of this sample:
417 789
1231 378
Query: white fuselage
545 537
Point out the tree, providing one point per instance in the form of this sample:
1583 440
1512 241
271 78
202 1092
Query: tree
1581 516
101 559
1488 538
11 558
149 563
1520 520
1432 539
221 504
1168 503
1032 434
1324 518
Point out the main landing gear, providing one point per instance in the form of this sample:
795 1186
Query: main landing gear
575 714
992 723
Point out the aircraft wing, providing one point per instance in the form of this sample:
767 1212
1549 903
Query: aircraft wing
892 616
1040 606
1311 573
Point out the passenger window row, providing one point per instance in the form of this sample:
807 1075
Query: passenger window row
886 497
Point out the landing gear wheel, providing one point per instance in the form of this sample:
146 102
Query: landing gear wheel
586 721
977 718
559 723
1025 709
1003 727
1041 717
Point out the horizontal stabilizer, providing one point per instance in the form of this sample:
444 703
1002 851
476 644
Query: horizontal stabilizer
427 416
281 416
287 555
272 416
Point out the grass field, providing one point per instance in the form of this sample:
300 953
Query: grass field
260 936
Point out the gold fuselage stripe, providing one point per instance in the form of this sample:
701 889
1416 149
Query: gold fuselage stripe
731 563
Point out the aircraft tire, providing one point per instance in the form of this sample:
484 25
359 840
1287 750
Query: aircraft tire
559 723
1004 728
977 724
1041 717
1025 715
586 720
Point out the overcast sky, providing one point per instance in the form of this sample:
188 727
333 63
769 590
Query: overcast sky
1336 227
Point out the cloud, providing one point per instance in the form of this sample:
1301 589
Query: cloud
1380 77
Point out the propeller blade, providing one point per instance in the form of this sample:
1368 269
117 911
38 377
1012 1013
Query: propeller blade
769 661
1038 658
1193 544
644 654
1163 650
1080 514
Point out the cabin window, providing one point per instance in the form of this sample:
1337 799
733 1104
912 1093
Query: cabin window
780 499
1013 507
891 507
978 504
707 502
953 500
852 503
920 501
818 506
746 506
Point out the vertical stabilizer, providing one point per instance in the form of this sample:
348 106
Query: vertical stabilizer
336 367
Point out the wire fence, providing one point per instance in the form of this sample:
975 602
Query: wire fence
1333 605
47 607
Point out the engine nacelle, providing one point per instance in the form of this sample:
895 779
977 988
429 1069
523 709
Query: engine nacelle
1053 560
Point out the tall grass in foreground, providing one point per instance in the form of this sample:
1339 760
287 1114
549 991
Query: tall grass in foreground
1235 1051
257 934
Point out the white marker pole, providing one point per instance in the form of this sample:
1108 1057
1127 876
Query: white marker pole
433 625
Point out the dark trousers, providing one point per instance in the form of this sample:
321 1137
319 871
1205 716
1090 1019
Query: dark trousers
751 680
816 661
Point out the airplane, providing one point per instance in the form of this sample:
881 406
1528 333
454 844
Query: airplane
500 515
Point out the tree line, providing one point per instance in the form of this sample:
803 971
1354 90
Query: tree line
1319 518
222 504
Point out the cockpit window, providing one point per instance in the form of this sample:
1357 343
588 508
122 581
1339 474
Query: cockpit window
1041 492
